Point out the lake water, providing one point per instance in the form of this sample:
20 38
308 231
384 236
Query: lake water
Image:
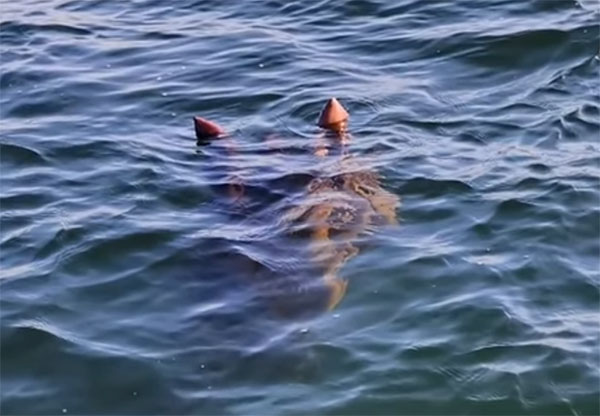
131 284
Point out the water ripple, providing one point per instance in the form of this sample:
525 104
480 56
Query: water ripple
129 272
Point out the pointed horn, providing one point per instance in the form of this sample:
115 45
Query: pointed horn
333 116
206 129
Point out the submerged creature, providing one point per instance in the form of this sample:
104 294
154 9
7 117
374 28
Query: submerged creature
335 209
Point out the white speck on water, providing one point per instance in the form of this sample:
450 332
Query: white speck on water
526 256
336 315
164 94
108 65
64 410
210 387
261 65
488 250
135 393
304 330
201 365
173 114
438 51
158 78
376 291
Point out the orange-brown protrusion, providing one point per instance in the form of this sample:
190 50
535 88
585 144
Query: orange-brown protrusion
334 117
206 129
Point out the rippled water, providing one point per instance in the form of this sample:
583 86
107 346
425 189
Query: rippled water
131 285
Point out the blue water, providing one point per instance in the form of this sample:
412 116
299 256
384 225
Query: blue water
131 284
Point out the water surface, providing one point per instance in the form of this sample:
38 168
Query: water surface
126 284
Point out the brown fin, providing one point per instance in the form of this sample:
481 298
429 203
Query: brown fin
333 116
206 129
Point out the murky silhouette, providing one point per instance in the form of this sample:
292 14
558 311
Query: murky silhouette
317 225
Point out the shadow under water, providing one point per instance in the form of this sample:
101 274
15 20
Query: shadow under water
306 225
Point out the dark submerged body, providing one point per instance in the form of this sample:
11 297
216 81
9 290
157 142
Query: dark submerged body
317 219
